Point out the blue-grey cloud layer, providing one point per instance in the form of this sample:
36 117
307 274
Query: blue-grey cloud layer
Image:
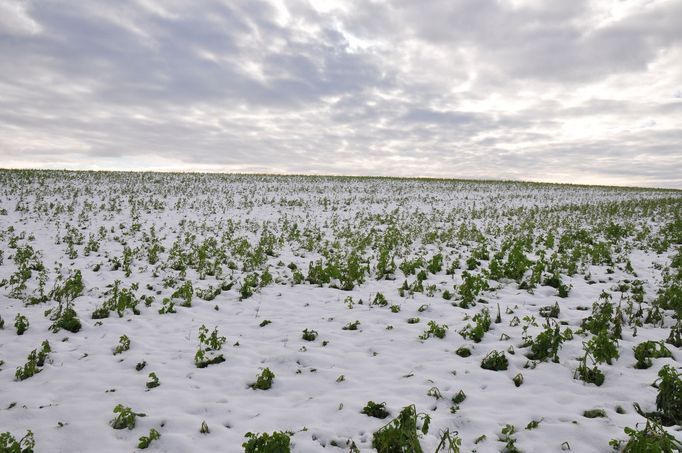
580 91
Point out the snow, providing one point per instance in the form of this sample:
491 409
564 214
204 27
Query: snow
68 405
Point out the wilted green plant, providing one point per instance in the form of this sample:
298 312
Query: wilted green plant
648 350
495 361
376 410
652 439
402 433
586 374
449 443
669 398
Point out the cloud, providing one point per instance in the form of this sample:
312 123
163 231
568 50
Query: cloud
564 91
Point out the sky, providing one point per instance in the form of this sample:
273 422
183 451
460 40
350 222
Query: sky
578 91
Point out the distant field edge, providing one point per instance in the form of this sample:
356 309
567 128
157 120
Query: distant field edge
37 171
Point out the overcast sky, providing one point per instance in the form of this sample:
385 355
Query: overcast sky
566 91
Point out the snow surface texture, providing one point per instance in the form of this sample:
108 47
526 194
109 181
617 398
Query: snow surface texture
69 404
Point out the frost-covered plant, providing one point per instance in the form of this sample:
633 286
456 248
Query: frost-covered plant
153 381
264 380
309 335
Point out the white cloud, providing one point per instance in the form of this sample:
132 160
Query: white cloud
572 91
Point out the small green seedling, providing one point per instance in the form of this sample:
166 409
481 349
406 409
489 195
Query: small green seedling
145 441
125 418
123 345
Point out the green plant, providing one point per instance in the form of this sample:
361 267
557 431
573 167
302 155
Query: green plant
675 337
125 418
652 439
277 442
123 345
669 397
589 375
34 362
145 441
449 443
476 333
376 410
380 300
351 326
648 350
21 323
264 380
309 335
153 381
546 344
66 319
602 348
463 351
9 444
457 399
507 436
434 330
495 361
208 346
185 293
594 413
168 306
402 433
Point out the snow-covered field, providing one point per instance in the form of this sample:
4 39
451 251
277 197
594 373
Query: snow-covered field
557 279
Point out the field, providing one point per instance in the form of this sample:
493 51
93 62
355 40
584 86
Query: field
198 312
